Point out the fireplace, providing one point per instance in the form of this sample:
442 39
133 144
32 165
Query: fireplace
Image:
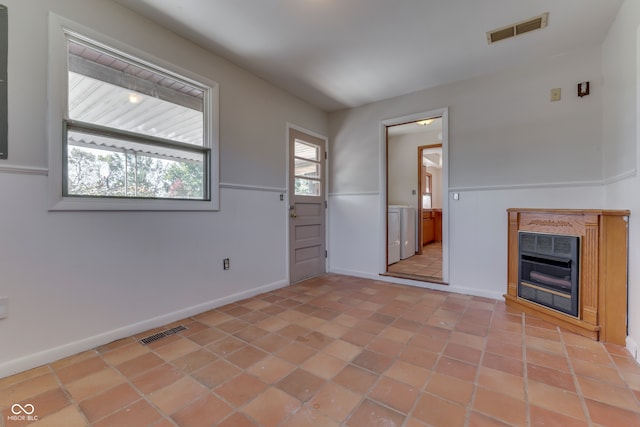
548 270
569 267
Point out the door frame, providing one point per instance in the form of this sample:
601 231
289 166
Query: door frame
289 190
383 141
420 191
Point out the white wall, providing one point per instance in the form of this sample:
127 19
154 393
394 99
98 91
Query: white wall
509 146
80 279
403 166
621 108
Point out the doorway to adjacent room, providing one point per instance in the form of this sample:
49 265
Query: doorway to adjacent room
416 198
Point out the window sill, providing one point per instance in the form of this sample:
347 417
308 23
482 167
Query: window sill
98 204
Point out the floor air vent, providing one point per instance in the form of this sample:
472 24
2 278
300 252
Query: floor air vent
516 29
163 334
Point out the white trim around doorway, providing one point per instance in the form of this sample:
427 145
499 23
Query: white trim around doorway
441 112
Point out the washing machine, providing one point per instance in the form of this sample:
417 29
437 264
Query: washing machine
393 234
405 236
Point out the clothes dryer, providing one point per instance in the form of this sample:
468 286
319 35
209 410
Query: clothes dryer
393 234
402 232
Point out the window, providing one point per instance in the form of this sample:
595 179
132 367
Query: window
307 169
135 135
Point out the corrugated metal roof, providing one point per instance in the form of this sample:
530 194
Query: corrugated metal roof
79 139
101 103
97 56
114 91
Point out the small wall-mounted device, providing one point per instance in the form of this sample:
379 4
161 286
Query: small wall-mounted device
583 89
4 307
3 83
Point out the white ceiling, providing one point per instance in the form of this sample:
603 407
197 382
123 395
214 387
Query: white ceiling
344 53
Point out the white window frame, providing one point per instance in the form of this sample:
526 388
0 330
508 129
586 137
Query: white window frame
57 107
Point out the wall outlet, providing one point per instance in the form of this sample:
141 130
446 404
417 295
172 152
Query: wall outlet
4 307
225 264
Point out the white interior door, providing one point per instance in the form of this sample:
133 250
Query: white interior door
307 206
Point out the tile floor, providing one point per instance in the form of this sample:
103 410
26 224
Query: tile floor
340 351
427 265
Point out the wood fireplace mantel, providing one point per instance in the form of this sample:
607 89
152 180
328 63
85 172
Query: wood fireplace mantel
602 313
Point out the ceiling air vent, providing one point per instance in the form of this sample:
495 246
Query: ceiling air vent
516 29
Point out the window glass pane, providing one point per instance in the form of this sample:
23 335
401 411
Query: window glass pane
108 167
107 90
94 172
307 169
307 187
307 151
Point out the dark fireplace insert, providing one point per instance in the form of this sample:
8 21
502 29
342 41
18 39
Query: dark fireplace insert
548 270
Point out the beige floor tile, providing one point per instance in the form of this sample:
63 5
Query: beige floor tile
611 416
394 394
137 366
341 351
195 360
552 377
271 369
308 417
240 389
237 419
335 401
451 388
370 413
95 383
127 351
30 387
408 373
492 379
355 378
324 365
271 407
70 416
76 370
555 399
139 413
157 378
599 372
435 411
620 397
205 411
177 395
500 406
301 384
103 404
544 417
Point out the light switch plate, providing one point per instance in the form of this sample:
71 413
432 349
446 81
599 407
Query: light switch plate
556 94
4 307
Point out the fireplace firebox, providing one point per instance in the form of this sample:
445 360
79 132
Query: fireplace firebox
549 270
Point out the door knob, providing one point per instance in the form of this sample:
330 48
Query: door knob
293 215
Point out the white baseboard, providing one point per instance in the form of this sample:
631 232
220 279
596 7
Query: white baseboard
632 347
51 355
421 284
